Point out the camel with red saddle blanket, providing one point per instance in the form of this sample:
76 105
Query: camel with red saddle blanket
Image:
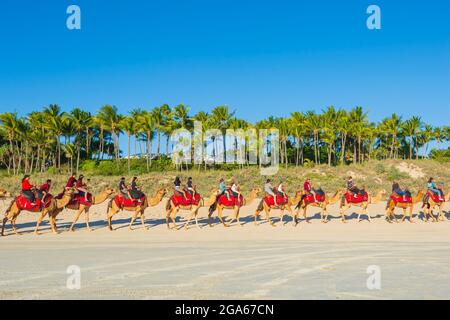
359 200
119 203
222 202
321 201
407 202
189 203
283 203
80 205
430 202
50 204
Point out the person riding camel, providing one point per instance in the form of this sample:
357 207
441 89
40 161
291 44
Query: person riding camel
268 189
71 183
82 188
123 189
191 187
44 190
235 188
28 190
397 190
136 191
281 190
223 189
434 188
178 190
308 189
352 187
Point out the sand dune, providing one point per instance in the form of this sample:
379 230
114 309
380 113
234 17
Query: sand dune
326 261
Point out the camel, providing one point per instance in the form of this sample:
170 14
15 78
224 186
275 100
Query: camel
431 204
13 212
80 208
363 205
236 209
138 210
172 209
322 205
392 205
287 206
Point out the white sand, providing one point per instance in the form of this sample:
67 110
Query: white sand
316 261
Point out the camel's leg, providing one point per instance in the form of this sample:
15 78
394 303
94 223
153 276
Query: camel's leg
87 219
410 214
53 223
186 225
366 210
5 219
172 217
305 216
77 216
281 216
168 213
38 222
219 212
238 217
13 223
111 213
196 218
133 218
343 215
143 221
292 213
256 215
267 210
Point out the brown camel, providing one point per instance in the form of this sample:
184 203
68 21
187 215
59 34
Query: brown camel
172 209
138 210
236 209
322 205
287 206
4 194
431 204
13 212
80 208
363 205
392 205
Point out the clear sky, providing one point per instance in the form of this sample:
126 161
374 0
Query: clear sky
259 57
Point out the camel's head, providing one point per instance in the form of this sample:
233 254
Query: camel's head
298 193
4 193
109 191
70 192
256 191
162 192
215 192
383 192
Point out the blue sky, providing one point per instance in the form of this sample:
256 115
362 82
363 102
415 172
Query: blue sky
259 57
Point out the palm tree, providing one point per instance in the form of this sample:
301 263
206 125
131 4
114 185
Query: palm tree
112 120
54 122
221 116
9 124
158 117
128 125
147 124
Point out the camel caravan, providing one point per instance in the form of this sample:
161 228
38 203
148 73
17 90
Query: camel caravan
184 197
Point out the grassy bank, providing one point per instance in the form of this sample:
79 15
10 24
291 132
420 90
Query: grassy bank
374 175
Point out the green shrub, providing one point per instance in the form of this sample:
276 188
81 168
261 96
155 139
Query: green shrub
394 174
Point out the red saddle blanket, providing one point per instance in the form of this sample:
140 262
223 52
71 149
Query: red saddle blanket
435 197
24 204
233 201
269 200
129 203
77 200
310 198
358 198
180 200
401 199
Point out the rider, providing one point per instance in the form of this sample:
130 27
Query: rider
71 182
351 187
396 189
223 189
235 189
45 189
28 189
190 187
281 190
268 189
308 189
431 185
123 189
178 189
81 187
136 192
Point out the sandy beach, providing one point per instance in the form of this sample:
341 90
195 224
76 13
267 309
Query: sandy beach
310 261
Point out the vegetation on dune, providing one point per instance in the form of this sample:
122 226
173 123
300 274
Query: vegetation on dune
61 142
